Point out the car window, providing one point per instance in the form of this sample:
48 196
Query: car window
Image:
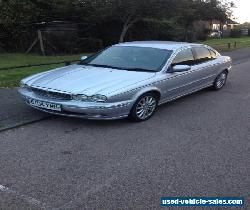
185 57
130 58
202 54
213 54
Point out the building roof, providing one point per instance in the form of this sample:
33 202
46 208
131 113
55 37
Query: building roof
166 45
232 22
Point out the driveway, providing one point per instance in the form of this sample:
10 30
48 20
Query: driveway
196 146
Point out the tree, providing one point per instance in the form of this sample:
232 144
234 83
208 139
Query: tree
189 11
16 15
131 11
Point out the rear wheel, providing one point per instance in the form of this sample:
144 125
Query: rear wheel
220 81
144 107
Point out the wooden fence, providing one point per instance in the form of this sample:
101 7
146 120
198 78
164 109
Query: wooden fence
231 45
67 63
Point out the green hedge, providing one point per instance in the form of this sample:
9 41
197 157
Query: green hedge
235 33
88 45
156 30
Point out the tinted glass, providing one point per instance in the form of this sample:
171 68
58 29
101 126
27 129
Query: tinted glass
203 54
130 58
213 54
185 57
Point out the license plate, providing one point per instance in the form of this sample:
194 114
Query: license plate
45 105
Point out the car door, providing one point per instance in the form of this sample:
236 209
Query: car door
180 83
206 66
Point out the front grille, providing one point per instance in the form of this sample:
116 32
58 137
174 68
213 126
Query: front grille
51 94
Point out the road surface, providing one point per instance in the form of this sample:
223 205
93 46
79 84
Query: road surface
196 146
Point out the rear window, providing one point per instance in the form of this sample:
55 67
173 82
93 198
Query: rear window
202 54
185 57
213 54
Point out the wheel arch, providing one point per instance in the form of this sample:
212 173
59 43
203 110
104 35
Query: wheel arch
154 90
226 70
223 70
139 95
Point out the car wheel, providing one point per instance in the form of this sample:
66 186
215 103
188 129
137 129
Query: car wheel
220 81
144 107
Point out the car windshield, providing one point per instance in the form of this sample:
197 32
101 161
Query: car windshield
130 58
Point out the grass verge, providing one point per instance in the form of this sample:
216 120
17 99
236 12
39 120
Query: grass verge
222 44
11 78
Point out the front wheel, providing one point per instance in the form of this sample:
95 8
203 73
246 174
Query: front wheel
144 108
220 81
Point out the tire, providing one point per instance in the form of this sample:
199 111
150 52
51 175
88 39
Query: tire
220 81
144 108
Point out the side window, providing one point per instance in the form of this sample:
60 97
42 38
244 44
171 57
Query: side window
185 57
203 54
213 54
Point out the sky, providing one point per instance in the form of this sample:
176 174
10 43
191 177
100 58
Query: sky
242 12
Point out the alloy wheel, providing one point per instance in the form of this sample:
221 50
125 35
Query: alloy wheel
221 80
146 107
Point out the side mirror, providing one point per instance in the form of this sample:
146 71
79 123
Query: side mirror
83 58
180 68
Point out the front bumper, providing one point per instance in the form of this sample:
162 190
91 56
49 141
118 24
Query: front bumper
79 109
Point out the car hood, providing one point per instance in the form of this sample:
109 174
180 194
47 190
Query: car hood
77 79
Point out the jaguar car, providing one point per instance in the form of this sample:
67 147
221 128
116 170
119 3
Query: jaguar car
126 80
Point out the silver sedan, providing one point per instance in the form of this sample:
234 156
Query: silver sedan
127 80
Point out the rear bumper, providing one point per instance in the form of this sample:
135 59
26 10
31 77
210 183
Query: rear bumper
86 110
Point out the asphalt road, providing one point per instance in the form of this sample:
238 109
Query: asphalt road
196 146
14 112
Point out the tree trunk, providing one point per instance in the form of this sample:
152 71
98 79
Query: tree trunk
123 34
186 35
130 22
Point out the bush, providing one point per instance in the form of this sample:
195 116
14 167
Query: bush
203 34
200 31
1 48
108 31
57 42
235 33
150 29
88 45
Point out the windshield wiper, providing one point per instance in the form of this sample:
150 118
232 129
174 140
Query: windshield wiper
103 66
139 69
119 68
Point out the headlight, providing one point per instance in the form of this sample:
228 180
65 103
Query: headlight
95 98
99 98
80 97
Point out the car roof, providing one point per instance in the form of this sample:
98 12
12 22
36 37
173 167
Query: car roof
166 45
